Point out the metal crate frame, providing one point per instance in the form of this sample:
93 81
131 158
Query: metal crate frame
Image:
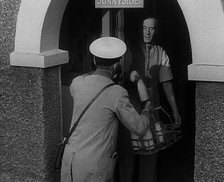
169 132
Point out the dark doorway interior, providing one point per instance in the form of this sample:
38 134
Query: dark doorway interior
82 24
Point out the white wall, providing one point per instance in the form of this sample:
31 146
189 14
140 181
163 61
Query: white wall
205 20
38 27
37 34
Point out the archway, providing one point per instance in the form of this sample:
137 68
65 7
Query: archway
37 42
37 34
174 37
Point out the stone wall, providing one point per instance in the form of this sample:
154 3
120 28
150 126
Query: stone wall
209 140
30 111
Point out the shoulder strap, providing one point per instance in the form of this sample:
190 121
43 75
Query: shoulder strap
84 110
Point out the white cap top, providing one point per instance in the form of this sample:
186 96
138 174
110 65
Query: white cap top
108 47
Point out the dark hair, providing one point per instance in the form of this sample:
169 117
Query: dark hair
105 62
151 17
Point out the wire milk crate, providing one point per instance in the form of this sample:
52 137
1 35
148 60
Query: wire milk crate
161 134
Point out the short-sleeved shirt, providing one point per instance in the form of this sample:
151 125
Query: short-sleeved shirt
157 70
154 71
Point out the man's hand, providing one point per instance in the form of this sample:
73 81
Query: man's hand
148 106
134 76
177 118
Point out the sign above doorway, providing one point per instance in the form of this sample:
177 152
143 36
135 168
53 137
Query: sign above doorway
119 3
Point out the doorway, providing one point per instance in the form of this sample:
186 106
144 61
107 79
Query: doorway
82 23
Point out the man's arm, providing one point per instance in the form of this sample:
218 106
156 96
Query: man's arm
137 123
168 89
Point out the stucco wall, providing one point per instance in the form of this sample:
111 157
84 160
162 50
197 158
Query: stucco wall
30 123
30 111
8 17
209 142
